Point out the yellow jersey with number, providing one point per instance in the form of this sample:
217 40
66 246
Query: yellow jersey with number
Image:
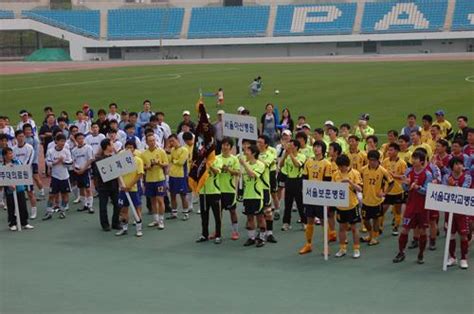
354 176
358 159
374 180
397 167
317 169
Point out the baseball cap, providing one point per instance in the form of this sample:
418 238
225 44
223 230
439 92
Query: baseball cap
364 116
286 132
220 112
240 109
329 122
440 112
23 112
306 125
186 113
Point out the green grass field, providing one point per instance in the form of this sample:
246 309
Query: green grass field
71 266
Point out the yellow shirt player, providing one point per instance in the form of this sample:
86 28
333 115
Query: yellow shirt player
154 162
348 216
404 153
357 157
316 168
396 167
444 125
416 143
376 183
392 137
130 184
178 175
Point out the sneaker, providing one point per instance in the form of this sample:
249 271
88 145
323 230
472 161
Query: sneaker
62 215
66 207
432 246
276 215
452 261
373 242
395 231
47 216
202 239
463 264
186 211
271 239
198 211
56 209
365 239
185 217
235 235
161 225
356 254
153 224
413 244
363 229
172 216
317 221
420 259
13 228
34 213
307 248
28 227
259 242
121 233
249 242
218 240
83 209
285 227
90 210
340 253
399 258
77 200
139 234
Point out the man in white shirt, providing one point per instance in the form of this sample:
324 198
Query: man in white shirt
113 114
7 130
94 138
82 123
83 157
25 119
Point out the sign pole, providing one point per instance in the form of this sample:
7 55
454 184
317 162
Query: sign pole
132 206
326 227
17 210
448 239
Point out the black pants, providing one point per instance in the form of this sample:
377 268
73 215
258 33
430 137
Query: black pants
104 196
293 192
21 208
212 201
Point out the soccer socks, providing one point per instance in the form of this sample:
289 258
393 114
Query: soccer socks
262 234
49 207
423 240
452 247
90 201
251 234
402 242
269 224
309 233
464 249
156 217
398 219
124 226
235 227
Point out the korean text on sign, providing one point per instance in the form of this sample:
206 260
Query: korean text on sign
116 166
238 126
450 199
325 193
16 175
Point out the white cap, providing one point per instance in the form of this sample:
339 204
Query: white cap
286 132
240 109
220 112
186 113
329 122
306 125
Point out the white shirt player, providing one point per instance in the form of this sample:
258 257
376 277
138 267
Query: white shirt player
25 154
30 122
70 144
81 156
59 171
113 116
52 145
117 146
94 141
10 132
83 126
122 136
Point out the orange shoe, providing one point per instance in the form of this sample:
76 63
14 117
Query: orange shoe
235 235
307 248
332 238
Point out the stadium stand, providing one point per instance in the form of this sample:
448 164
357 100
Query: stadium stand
6 14
324 19
407 16
212 22
463 18
145 23
84 22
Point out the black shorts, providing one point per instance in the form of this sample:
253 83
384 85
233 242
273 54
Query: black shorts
253 206
350 216
371 212
273 182
59 186
393 199
312 211
34 167
281 178
72 177
267 200
83 181
228 201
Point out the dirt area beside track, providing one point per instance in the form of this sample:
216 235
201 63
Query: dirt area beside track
9 68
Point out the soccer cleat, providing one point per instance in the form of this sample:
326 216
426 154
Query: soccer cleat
395 231
259 242
413 244
47 216
271 239
432 246
235 235
373 242
187 210
202 239
356 254
217 240
363 229
161 225
276 215
399 258
139 234
452 261
83 209
249 242
185 217
90 210
463 264
172 216
307 248
62 215
340 253
77 200
285 227
34 213
13 228
420 259
28 227
365 239
121 233
153 224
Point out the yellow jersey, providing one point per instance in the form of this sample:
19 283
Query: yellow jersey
334 167
405 156
425 135
423 145
130 177
157 156
358 159
397 167
317 169
354 176
178 159
445 127
190 149
374 181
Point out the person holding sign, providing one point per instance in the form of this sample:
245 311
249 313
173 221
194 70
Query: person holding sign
415 216
460 178
8 159
253 195
318 169
377 182
130 185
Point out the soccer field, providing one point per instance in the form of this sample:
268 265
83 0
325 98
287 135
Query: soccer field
72 266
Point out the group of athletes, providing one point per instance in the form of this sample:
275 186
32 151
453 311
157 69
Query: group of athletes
393 176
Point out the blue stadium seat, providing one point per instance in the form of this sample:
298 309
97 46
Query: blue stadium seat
404 16
6 14
84 22
463 18
321 19
145 23
215 22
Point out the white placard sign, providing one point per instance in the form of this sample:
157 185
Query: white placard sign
450 199
116 166
325 193
238 126
16 175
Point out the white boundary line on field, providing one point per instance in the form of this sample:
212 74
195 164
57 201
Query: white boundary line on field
470 79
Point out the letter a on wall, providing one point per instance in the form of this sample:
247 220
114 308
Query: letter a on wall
403 14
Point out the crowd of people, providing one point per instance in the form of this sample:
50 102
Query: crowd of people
264 175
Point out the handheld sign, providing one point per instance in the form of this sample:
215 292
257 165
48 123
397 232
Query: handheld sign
116 166
453 200
325 194
241 127
14 175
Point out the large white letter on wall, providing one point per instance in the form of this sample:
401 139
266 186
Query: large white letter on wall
413 17
301 18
